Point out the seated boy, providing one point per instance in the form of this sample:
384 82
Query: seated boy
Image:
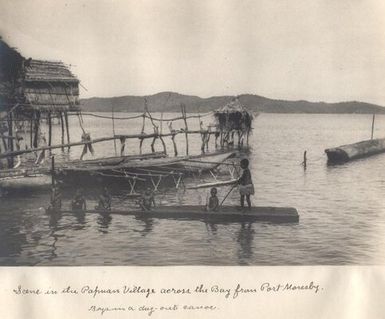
213 204
79 201
147 200
104 200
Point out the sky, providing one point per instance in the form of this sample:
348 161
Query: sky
316 50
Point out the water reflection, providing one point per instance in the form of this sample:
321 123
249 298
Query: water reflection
148 225
12 239
212 228
245 239
80 218
104 221
54 218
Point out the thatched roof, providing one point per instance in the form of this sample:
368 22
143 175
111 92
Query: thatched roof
50 86
36 84
234 106
47 71
233 116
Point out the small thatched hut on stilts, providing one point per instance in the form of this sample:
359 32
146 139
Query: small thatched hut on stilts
32 90
233 118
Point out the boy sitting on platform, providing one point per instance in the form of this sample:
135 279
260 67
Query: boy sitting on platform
104 200
79 201
147 200
213 204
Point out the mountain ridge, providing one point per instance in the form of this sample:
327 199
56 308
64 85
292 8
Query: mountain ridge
171 101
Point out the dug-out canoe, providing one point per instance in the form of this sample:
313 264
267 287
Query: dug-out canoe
345 153
225 214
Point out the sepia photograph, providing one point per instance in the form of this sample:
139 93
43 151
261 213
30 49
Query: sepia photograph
192 133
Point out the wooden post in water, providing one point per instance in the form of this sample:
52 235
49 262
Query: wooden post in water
304 163
67 128
374 116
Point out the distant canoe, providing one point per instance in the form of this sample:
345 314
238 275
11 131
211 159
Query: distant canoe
225 214
354 151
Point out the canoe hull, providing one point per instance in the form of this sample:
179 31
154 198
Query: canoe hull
227 214
345 153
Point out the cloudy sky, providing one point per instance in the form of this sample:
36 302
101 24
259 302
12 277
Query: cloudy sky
318 50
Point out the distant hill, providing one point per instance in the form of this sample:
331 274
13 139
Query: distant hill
170 102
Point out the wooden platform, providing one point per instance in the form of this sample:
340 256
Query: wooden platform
225 214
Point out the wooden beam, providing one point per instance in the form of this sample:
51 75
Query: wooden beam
98 140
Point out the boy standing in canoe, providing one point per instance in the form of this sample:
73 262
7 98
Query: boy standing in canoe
246 187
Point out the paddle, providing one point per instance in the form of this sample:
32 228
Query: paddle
227 194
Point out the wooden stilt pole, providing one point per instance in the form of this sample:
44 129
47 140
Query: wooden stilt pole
183 110
153 144
67 128
174 144
31 131
143 125
144 122
5 145
49 120
113 129
10 140
140 146
122 145
36 131
203 138
207 142
161 123
62 128
53 171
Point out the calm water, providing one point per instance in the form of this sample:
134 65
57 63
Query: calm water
342 211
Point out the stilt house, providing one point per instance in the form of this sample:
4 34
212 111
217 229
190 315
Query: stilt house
233 118
32 90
